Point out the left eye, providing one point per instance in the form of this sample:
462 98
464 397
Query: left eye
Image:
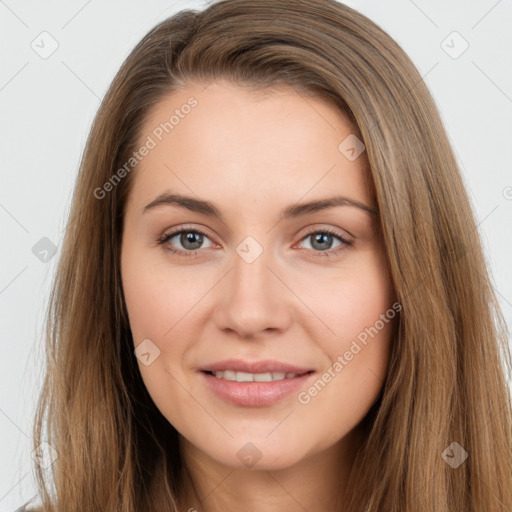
192 240
321 238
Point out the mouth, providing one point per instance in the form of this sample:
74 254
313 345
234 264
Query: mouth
254 389
240 376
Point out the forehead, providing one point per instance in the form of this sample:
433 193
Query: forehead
254 147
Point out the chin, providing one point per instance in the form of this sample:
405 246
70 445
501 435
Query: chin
258 455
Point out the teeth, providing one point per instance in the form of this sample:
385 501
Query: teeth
253 377
243 377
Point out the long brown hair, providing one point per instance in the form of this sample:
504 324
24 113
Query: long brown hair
447 378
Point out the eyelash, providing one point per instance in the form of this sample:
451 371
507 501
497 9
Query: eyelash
188 254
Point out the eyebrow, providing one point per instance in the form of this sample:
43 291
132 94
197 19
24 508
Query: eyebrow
293 211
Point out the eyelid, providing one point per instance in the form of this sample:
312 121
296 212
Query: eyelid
314 228
308 230
199 228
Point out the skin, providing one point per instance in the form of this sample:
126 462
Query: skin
253 154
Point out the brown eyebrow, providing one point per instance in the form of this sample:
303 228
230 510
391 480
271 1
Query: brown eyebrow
293 211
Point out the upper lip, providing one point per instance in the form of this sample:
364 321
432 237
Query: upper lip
263 366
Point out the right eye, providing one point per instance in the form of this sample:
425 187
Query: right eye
185 237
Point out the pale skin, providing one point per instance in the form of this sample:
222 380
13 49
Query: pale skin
252 156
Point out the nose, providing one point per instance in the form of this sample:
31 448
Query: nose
254 297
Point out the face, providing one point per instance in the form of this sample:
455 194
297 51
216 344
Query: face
298 304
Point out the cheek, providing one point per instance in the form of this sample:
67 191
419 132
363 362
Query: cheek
351 300
160 302
155 295
357 321
154 300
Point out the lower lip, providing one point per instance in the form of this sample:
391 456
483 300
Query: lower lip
254 394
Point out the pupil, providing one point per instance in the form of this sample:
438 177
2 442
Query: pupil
191 237
320 237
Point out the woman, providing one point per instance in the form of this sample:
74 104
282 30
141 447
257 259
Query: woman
257 368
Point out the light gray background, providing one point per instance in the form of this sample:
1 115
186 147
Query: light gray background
47 106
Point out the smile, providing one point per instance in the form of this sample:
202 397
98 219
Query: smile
253 389
253 377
